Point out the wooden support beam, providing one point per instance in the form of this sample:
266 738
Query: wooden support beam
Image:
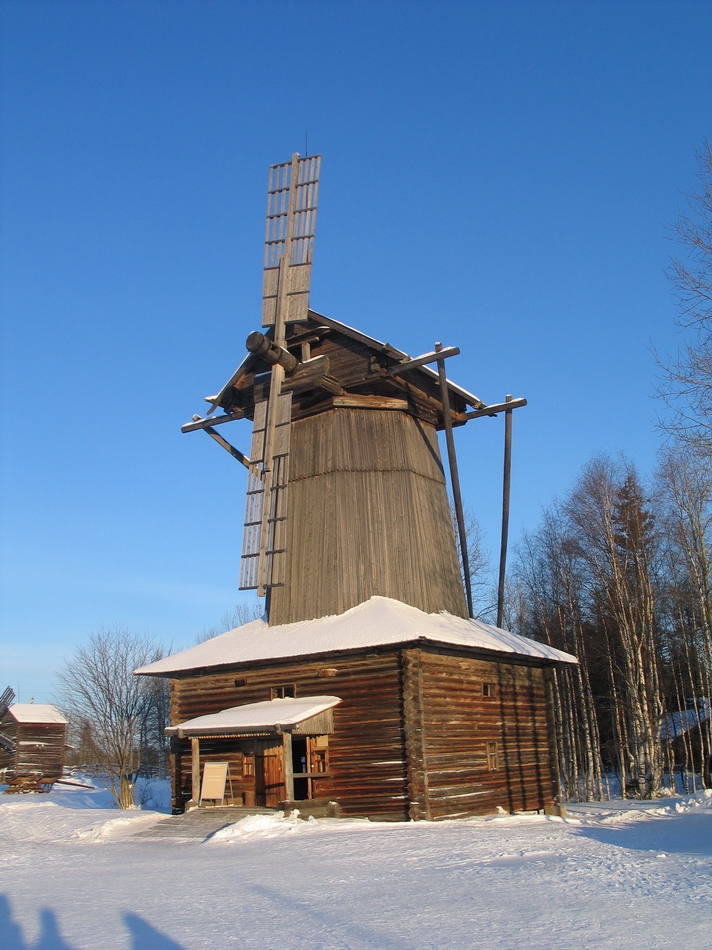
505 511
288 766
195 769
236 453
444 353
199 423
496 408
419 397
455 479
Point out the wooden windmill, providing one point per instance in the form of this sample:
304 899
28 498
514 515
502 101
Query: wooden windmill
348 426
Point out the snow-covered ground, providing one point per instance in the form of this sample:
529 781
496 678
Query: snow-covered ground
611 875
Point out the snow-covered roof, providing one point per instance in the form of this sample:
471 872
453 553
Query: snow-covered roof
256 717
677 723
36 712
379 621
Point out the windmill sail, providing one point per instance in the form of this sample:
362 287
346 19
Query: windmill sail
298 245
264 541
6 698
291 220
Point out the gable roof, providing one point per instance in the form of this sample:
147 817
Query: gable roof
36 712
267 716
379 621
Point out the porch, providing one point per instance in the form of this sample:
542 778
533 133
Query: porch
274 751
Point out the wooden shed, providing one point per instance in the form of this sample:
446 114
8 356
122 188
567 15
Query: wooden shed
32 745
429 715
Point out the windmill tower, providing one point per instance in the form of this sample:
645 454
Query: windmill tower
346 494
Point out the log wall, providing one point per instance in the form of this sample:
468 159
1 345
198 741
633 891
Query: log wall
454 772
412 737
367 768
367 498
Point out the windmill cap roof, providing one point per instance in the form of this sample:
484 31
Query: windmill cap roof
380 621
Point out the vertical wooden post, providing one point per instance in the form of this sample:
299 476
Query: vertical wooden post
195 768
505 511
455 479
288 766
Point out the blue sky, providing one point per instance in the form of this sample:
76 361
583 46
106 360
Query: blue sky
499 177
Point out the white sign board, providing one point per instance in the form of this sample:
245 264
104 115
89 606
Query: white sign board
214 778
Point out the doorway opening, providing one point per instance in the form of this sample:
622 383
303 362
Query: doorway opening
299 766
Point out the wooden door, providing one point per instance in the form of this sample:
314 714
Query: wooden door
269 772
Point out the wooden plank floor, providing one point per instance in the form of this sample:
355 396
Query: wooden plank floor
200 822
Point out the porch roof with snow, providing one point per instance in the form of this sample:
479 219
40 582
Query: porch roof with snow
270 717
377 622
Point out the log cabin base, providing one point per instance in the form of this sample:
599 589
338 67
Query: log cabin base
432 716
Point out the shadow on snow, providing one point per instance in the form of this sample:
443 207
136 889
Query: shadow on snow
144 936
686 834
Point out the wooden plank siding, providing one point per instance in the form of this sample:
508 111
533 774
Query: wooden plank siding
410 736
367 497
367 773
458 722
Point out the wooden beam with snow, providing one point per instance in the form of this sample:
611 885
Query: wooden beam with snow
199 423
423 360
495 408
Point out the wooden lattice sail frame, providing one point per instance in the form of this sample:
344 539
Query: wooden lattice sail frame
292 192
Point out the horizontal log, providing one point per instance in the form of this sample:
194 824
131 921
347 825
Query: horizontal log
355 401
199 423
494 409
433 357
309 375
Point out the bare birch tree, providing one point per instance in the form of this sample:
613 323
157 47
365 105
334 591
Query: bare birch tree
111 705
684 479
615 530
686 386
548 571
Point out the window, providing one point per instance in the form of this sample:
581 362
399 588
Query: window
489 691
492 757
285 691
